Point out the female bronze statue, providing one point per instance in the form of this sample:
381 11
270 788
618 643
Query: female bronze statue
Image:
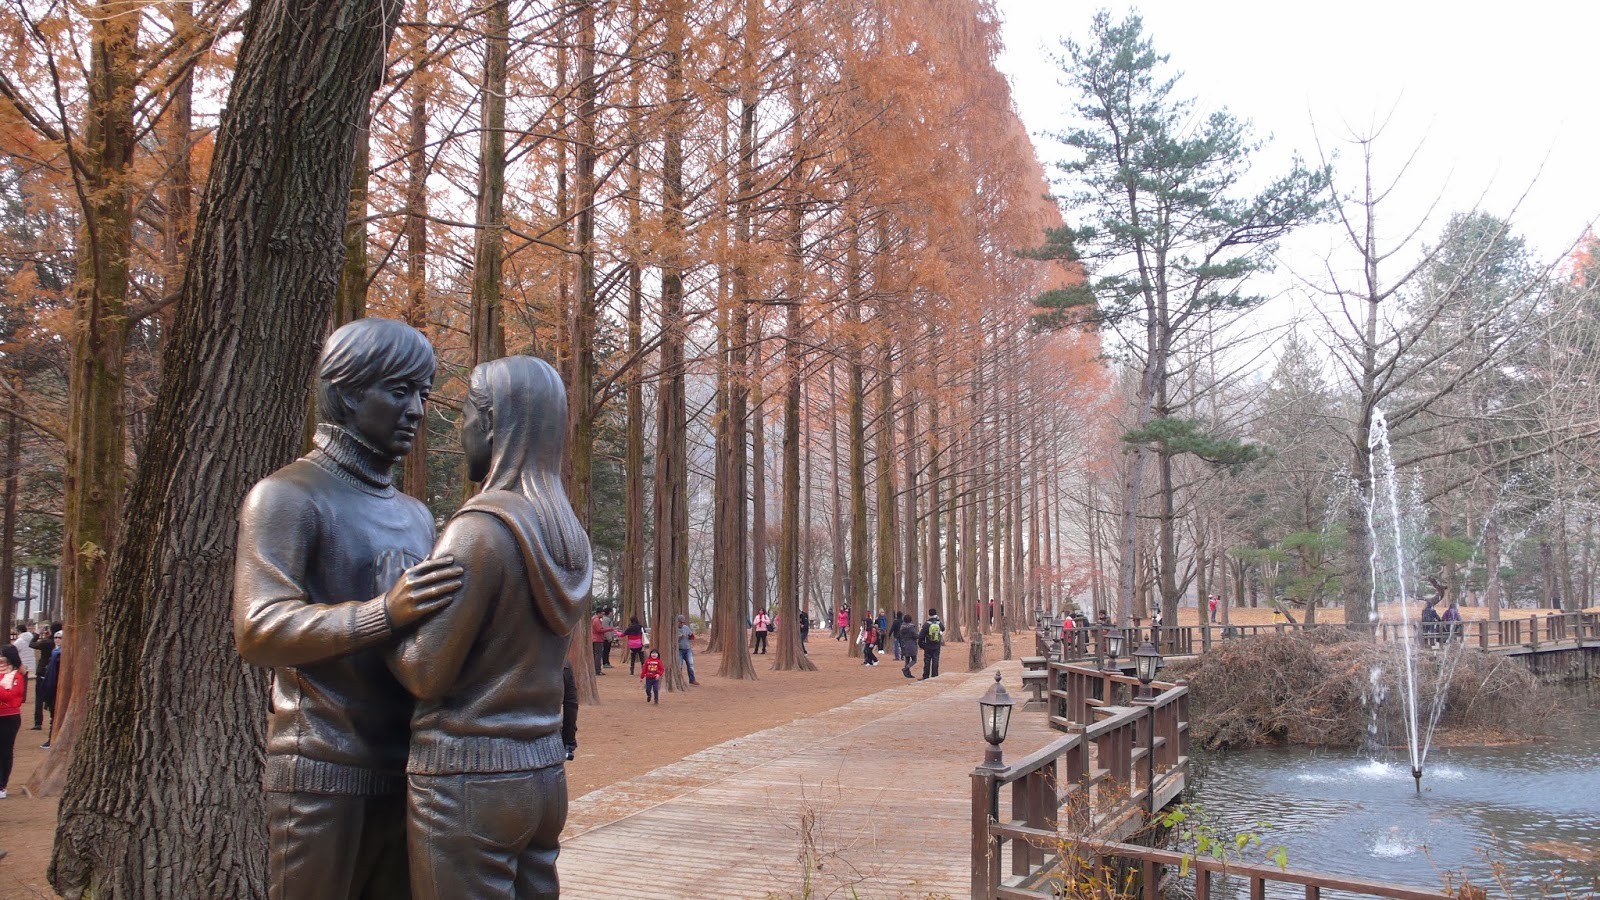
487 792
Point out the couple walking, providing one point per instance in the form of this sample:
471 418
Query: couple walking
414 743
929 639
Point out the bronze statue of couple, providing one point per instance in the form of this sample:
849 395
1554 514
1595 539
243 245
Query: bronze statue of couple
413 743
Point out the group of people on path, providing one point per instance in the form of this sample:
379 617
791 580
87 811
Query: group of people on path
906 638
32 656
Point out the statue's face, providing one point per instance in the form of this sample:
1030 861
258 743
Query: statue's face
388 414
476 441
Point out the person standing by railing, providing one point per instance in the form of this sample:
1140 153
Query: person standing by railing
1452 622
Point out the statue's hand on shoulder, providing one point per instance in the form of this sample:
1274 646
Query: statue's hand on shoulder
423 590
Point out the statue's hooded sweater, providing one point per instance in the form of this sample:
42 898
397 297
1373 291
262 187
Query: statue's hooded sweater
487 669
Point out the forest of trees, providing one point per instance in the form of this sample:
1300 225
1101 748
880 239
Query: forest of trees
783 286
828 337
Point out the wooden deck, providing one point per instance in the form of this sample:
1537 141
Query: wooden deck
871 797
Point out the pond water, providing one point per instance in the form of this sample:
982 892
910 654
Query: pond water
1520 821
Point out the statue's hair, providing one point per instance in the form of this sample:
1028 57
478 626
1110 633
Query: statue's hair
363 353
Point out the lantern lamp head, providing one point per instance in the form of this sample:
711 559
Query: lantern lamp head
1146 660
1114 642
995 709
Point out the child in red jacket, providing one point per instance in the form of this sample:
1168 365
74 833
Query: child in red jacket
651 672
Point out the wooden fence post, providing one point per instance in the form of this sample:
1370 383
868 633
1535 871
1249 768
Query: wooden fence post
982 792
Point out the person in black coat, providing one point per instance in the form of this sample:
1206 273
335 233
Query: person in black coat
569 709
46 698
47 689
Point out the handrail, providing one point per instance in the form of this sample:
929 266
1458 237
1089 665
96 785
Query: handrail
1531 632
1256 872
1112 769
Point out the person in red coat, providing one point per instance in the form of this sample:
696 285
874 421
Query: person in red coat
651 672
13 690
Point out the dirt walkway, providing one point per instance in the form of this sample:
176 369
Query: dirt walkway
621 738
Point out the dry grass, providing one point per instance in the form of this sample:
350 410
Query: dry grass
1322 689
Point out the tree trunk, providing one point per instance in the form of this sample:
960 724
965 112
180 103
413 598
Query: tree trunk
487 335
164 794
581 407
8 523
633 528
672 449
884 445
94 469
789 655
414 469
732 535
859 600
758 472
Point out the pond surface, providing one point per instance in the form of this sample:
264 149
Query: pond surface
1525 818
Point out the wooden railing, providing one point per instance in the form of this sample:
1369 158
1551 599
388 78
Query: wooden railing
1124 757
1205 871
1074 803
1528 633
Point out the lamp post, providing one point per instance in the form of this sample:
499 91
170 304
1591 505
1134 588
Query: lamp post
1113 648
994 708
1146 660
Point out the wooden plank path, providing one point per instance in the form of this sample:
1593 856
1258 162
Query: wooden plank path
875 792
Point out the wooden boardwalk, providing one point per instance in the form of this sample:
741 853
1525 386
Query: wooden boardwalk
871 799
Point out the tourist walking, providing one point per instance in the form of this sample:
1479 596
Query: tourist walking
44 644
761 624
634 635
842 624
651 671
805 631
598 635
891 634
47 689
685 651
883 625
1211 605
13 690
931 640
610 621
869 643
906 642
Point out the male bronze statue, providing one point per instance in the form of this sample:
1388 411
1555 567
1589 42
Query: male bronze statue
329 572
487 791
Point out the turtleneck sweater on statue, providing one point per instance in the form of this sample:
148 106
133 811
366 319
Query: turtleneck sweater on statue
320 542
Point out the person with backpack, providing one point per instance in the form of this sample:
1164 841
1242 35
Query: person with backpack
905 640
931 640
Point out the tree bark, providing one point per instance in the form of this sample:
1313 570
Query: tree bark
672 463
164 794
414 469
486 331
94 469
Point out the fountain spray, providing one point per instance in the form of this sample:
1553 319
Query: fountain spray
1378 445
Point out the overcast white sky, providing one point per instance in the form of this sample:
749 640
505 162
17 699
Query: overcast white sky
1495 92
